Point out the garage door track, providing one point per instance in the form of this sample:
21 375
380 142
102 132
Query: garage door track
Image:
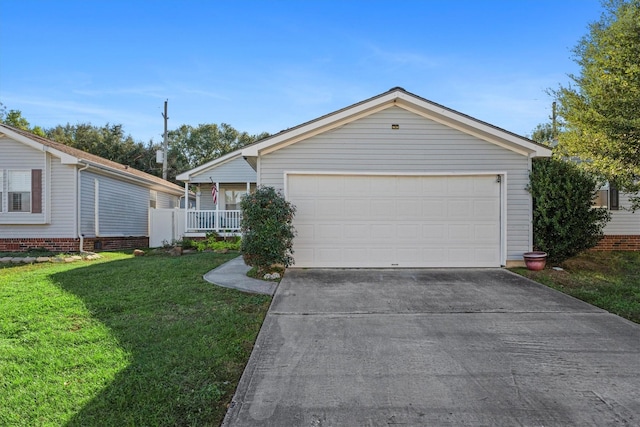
436 347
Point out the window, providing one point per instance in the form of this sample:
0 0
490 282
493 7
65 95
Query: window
153 199
232 199
607 197
19 191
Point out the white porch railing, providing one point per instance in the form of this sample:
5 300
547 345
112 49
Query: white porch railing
220 220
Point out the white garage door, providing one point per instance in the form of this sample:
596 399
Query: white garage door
396 221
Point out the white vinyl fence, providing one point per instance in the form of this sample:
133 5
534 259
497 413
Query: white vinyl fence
165 226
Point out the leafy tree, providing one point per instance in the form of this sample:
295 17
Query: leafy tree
192 146
564 221
544 134
602 112
109 142
267 230
14 118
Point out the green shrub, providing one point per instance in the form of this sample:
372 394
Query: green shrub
564 221
213 242
267 229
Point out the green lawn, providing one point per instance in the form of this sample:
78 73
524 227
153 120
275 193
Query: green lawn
122 341
609 280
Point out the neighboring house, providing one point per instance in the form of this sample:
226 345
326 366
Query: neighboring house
219 186
393 181
623 231
63 199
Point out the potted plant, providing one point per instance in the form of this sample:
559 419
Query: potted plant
535 260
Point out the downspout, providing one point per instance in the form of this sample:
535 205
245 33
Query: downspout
79 207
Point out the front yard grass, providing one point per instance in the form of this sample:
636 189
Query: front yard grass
122 341
609 280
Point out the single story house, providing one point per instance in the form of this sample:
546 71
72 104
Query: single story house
63 199
219 186
394 181
623 231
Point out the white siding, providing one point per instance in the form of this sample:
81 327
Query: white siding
419 145
166 201
123 206
235 170
623 222
58 201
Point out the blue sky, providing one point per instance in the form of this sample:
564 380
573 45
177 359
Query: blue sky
270 65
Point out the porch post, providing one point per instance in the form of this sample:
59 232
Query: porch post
217 218
186 206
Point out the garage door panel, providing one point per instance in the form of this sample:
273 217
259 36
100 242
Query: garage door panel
458 232
357 208
407 231
433 208
458 209
409 255
305 207
356 230
305 232
303 184
485 209
330 208
382 231
328 232
388 221
381 256
433 232
434 186
330 185
358 185
485 232
384 209
460 187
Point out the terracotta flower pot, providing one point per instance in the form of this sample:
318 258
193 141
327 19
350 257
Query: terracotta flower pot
535 260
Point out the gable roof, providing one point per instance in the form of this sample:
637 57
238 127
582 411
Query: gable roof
398 97
73 156
186 176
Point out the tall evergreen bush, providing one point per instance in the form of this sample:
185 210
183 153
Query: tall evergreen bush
267 230
564 221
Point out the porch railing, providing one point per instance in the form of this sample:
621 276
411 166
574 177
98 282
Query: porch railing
220 220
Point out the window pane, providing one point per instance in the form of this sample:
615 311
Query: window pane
153 199
19 191
19 202
600 201
19 181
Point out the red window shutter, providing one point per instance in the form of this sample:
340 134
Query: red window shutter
36 190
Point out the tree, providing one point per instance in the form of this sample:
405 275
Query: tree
602 112
192 146
544 134
109 142
14 118
267 230
564 221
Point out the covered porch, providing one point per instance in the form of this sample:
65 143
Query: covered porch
219 186
216 209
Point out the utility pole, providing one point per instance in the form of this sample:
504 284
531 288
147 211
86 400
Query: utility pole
165 143
554 120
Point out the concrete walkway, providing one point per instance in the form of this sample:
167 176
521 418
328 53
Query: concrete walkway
233 274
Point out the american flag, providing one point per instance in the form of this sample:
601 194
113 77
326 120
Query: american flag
214 194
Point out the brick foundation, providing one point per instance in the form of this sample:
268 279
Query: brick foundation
618 243
70 244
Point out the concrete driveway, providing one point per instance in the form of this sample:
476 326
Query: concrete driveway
436 348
